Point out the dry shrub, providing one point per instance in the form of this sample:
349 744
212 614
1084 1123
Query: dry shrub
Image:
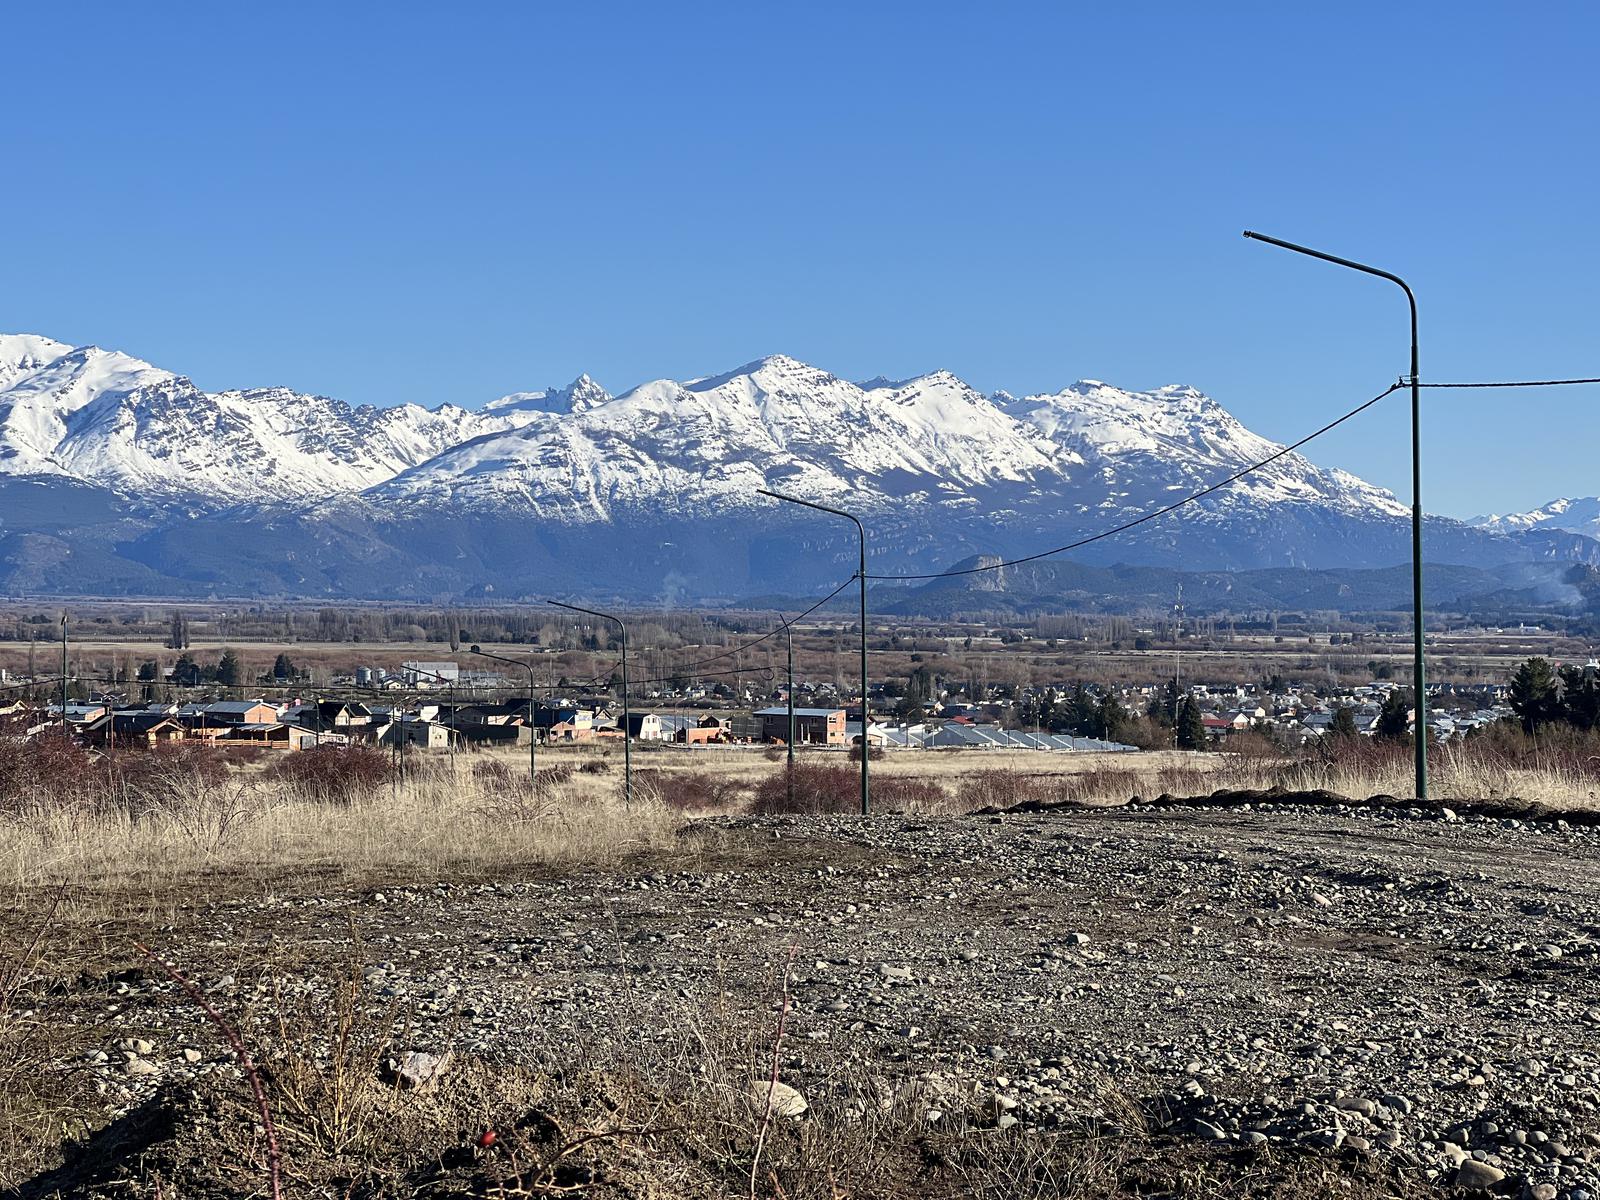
594 766
49 771
175 773
688 791
809 788
1002 788
874 753
908 793
335 774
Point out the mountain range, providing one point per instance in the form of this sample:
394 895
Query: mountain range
121 478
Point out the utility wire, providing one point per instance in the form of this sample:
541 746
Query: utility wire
772 633
1160 512
1516 383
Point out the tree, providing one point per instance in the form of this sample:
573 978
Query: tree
186 672
1081 713
1580 696
1109 717
1394 718
283 667
228 669
1191 725
1534 696
1344 723
178 632
149 670
1164 706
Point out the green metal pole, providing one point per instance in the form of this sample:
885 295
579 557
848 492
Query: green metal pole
1418 671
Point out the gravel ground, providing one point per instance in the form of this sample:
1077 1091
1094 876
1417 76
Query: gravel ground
1415 987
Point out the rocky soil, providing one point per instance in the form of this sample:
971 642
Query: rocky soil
1413 988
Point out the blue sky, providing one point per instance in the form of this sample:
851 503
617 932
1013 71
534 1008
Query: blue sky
404 202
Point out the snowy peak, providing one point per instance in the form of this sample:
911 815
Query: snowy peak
21 353
578 454
1572 515
582 394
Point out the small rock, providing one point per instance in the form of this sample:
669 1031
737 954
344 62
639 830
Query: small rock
787 1102
1478 1176
419 1068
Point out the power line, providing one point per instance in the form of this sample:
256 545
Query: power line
1516 383
1160 512
772 633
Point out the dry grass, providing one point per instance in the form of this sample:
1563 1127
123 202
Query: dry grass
437 819
477 815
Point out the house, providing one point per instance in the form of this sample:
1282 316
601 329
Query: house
134 728
340 715
493 733
228 712
413 731
430 674
275 735
79 715
812 726
648 727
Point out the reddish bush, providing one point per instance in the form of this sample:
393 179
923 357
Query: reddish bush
907 793
810 788
49 769
687 791
167 774
338 774
1002 789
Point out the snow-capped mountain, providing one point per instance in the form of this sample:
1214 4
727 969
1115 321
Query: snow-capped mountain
575 488
105 418
710 443
580 395
1580 515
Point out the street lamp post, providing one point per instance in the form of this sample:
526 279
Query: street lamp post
1419 678
861 574
627 713
533 725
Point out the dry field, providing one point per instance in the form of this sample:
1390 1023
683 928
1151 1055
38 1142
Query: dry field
532 932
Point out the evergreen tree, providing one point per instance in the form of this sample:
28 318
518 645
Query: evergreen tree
1109 717
1081 713
228 669
178 632
1534 697
1394 717
283 667
1164 706
1191 725
1580 697
1344 723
